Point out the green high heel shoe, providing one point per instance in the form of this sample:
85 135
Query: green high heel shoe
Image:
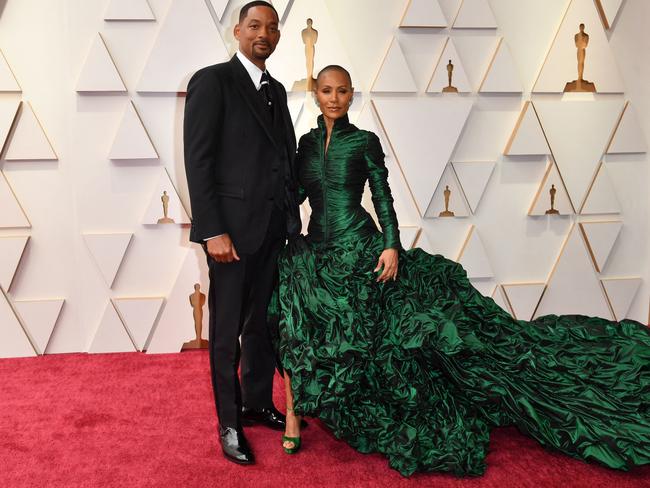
296 440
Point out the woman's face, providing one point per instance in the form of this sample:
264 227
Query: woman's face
333 94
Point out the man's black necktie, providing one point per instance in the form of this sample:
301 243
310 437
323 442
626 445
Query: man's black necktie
265 91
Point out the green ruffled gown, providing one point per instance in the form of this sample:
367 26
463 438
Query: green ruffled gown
420 369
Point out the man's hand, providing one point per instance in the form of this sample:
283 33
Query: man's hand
221 249
389 261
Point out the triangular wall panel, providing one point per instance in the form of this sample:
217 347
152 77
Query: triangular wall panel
501 300
139 316
188 40
440 77
111 336
176 212
28 140
132 140
561 65
620 293
8 81
11 250
628 137
542 201
502 75
523 298
408 236
99 73
108 251
457 201
473 257
8 112
475 14
608 10
408 124
527 137
473 178
600 238
39 318
14 342
423 13
129 10
219 7
12 215
601 198
394 74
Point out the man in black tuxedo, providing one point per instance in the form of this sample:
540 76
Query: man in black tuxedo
239 151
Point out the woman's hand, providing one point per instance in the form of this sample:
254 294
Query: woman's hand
388 260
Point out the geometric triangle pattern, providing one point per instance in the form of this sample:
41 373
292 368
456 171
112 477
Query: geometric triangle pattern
408 236
132 140
108 251
499 297
523 298
11 250
129 10
475 14
8 113
561 66
608 10
423 13
501 76
421 157
165 207
28 141
219 7
12 215
628 137
111 336
39 318
473 258
8 81
601 198
527 136
473 178
600 238
440 77
448 197
578 133
620 294
394 74
551 195
139 316
14 342
281 7
99 73
572 286
176 54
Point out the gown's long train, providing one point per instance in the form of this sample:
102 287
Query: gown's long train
421 368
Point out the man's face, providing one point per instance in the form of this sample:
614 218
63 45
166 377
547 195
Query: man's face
258 34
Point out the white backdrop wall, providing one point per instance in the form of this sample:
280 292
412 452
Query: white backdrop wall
85 200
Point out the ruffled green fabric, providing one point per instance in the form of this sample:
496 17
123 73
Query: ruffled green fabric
421 368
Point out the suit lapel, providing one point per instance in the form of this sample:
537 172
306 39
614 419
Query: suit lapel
251 97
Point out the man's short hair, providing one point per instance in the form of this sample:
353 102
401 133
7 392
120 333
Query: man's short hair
257 3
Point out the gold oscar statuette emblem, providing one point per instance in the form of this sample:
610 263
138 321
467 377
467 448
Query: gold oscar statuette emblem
165 203
450 73
581 85
552 210
309 39
447 212
197 301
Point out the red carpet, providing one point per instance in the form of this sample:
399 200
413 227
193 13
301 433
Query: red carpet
122 420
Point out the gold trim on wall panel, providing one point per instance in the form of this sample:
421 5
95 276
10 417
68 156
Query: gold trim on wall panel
559 255
12 129
489 68
549 168
615 131
539 299
435 66
464 246
602 14
13 193
383 61
20 258
20 322
592 254
20 88
548 51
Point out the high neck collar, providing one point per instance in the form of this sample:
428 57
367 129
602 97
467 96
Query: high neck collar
339 123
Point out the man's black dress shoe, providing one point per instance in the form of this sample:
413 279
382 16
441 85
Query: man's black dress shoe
234 445
270 417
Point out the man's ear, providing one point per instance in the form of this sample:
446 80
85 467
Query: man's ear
236 31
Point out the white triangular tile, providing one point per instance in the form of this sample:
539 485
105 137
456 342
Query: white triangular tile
219 7
457 202
176 54
99 73
600 238
485 287
628 137
527 136
475 14
8 112
8 81
621 293
608 10
111 336
602 196
176 213
394 74
523 298
473 257
502 75
500 299
40 317
13 341
129 10
28 141
11 250
542 201
440 78
423 13
473 178
139 316
408 236
108 250
132 140
12 215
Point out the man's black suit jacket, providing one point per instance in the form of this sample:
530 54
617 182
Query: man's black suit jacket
233 155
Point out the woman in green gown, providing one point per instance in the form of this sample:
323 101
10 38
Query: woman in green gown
417 364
